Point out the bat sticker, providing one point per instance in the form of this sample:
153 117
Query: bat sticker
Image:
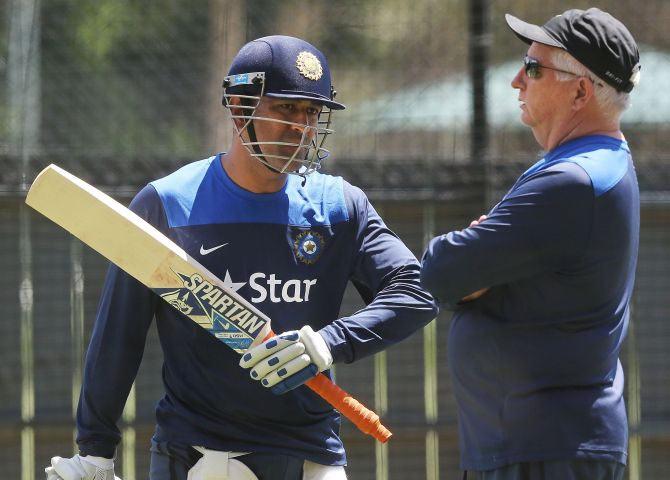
214 310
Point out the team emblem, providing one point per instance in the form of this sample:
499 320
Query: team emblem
308 246
309 66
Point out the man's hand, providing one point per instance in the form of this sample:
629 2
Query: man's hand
478 221
478 293
81 468
288 360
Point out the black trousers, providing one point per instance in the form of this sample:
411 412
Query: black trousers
172 462
553 470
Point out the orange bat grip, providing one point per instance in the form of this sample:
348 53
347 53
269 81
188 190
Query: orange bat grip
365 419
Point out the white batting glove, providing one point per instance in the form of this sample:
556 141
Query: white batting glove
288 360
81 468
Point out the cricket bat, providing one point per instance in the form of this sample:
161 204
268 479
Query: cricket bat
145 253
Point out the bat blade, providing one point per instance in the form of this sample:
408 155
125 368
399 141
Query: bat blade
148 255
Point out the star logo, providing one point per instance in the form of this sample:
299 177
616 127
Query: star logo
309 246
234 286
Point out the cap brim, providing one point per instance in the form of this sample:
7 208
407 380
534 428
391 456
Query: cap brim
296 96
530 33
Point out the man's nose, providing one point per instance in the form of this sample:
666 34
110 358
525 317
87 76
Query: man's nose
301 121
519 79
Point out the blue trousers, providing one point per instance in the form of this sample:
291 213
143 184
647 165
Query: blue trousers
553 470
172 462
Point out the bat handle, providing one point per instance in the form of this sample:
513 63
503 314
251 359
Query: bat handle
365 419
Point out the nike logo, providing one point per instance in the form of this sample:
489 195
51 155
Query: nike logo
207 251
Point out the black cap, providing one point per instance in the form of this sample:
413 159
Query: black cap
293 68
595 38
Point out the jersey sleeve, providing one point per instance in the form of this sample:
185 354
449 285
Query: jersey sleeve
386 274
543 224
115 351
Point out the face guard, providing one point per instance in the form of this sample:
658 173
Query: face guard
249 88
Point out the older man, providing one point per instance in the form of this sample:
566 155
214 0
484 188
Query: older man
541 285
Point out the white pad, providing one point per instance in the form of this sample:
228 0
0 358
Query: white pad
215 465
315 471
78 468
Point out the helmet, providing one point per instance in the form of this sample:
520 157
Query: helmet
282 67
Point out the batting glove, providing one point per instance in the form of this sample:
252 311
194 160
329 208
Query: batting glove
288 360
81 468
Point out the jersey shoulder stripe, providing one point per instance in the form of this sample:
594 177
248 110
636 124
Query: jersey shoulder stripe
604 167
201 193
605 160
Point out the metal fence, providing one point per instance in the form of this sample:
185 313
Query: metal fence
123 91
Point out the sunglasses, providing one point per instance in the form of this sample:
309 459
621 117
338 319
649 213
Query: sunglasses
533 66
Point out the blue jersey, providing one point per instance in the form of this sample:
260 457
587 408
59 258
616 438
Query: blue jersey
534 361
290 253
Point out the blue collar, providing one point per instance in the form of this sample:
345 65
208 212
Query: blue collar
574 147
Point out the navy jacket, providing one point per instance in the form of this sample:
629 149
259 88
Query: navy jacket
534 362
291 253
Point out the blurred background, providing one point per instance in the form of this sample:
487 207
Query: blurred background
124 91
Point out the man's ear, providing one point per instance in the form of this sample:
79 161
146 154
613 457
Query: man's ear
583 93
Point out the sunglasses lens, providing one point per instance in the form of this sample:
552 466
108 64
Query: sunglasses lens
532 70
